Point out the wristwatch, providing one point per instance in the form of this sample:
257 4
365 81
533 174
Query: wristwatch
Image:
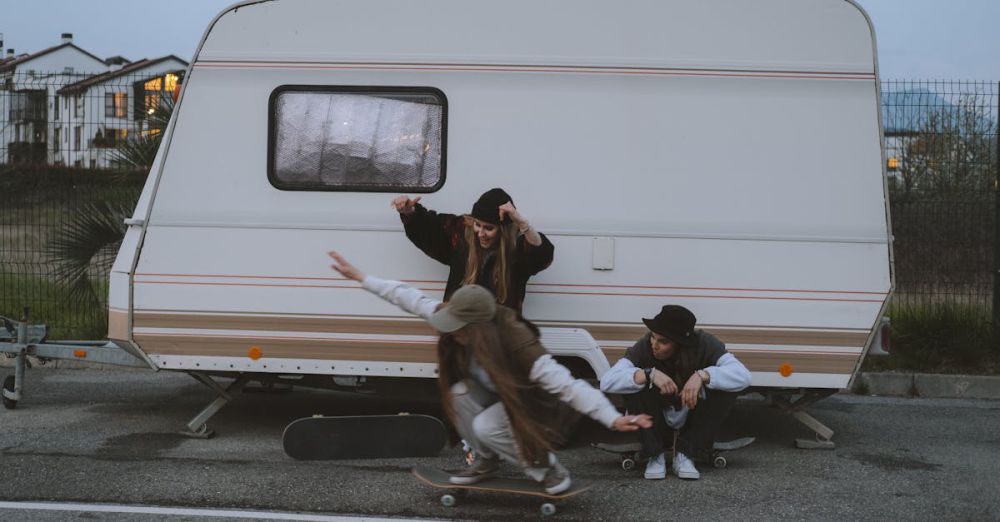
704 376
649 379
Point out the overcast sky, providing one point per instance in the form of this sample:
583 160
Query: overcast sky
917 39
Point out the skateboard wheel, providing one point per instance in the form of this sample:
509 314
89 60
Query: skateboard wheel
548 509
719 462
628 463
448 500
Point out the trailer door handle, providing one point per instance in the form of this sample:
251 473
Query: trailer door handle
135 221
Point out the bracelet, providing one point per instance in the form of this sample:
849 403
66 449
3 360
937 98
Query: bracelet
525 228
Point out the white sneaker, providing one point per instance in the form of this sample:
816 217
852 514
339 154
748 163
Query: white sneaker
656 468
684 468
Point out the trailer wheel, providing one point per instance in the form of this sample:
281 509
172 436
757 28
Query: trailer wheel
8 387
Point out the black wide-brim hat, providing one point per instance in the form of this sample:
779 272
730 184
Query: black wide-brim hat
675 323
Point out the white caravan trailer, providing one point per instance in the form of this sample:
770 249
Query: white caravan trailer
723 155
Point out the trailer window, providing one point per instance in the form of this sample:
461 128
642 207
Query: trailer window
357 139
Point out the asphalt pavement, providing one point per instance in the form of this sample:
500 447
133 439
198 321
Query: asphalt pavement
111 437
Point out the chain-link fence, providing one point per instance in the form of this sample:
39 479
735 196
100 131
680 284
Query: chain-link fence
74 151
941 149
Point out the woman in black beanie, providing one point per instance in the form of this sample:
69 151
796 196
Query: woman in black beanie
494 246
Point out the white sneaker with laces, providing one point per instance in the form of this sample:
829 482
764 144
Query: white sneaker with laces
656 468
684 468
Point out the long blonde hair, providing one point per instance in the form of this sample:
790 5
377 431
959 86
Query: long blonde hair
533 437
505 258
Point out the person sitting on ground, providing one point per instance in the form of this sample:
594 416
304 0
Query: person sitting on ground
686 380
499 387
495 246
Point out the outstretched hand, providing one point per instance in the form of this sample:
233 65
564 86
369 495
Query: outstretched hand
632 422
345 268
404 205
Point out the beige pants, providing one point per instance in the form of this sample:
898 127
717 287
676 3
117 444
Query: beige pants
481 420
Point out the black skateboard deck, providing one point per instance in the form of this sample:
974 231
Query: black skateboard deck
629 450
439 479
364 437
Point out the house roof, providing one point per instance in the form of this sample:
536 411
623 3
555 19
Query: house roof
132 68
9 64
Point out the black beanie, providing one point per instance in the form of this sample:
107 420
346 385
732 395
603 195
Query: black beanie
487 206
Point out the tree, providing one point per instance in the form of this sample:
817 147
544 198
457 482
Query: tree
951 152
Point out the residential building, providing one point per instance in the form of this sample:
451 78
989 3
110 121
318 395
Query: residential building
101 111
28 85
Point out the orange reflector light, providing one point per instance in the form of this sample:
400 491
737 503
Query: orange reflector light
785 369
80 353
255 352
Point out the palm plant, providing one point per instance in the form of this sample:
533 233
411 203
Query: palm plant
86 245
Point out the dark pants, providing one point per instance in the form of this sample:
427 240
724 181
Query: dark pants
697 435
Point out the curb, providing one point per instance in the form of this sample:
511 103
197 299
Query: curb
928 385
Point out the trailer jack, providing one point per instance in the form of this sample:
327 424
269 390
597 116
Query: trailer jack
198 426
823 434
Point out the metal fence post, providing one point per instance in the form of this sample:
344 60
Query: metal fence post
996 222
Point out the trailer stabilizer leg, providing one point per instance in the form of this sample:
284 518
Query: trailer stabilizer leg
198 426
823 433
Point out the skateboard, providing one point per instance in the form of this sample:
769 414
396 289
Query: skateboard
629 451
439 479
364 437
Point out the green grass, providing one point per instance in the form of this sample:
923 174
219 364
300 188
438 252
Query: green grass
941 338
50 304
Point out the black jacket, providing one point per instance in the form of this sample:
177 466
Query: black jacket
442 237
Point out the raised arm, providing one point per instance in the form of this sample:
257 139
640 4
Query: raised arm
436 234
404 296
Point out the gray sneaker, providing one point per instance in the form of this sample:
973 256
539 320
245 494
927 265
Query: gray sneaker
482 469
684 467
656 468
556 480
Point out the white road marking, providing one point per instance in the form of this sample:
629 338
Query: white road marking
190 512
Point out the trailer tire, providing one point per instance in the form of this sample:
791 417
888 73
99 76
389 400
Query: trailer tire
8 386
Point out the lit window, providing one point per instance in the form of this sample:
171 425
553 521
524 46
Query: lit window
170 83
892 163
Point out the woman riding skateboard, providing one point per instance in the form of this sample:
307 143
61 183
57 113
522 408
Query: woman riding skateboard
494 246
499 386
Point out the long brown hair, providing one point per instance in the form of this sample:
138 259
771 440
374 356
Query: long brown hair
507 242
533 437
